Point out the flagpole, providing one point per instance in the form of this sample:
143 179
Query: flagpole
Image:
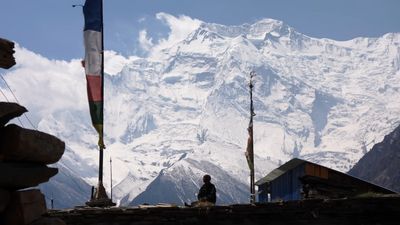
101 199
101 146
252 187
101 192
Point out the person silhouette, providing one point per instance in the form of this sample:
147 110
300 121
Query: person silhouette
207 192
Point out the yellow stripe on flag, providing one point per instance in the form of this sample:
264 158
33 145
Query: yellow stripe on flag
99 129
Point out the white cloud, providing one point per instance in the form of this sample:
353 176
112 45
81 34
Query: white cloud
141 19
145 42
180 27
114 63
46 86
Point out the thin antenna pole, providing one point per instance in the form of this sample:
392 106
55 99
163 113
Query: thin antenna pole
52 201
111 186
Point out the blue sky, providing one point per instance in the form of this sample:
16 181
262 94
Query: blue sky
54 29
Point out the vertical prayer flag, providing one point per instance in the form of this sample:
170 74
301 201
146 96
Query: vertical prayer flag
250 141
250 149
94 62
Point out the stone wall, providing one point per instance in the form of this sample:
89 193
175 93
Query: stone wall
362 211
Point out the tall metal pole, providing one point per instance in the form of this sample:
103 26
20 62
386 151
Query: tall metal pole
252 187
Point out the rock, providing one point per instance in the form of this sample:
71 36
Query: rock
14 176
48 221
7 59
4 199
25 207
9 111
24 145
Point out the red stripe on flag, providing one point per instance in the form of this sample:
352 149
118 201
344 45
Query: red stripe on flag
94 88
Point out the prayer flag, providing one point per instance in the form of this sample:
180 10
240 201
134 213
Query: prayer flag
93 41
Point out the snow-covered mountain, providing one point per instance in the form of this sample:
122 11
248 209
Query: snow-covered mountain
182 111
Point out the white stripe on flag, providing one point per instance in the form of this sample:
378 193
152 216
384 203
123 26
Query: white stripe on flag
92 40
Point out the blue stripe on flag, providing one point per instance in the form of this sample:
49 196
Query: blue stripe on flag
92 13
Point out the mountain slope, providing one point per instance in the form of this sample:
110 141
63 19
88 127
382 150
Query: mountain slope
380 164
65 189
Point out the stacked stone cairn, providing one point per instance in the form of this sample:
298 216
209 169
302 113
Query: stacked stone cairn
24 156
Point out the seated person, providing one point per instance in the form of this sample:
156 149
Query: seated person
207 192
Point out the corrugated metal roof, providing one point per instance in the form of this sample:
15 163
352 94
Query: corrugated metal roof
281 170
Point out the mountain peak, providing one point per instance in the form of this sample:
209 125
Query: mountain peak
266 27
256 30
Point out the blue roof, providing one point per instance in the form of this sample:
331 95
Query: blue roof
293 163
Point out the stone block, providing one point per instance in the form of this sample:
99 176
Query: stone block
14 176
7 59
48 221
25 207
9 111
4 199
18 144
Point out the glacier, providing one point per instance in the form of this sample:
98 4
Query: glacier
182 110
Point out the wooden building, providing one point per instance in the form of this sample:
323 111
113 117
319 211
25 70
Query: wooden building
299 179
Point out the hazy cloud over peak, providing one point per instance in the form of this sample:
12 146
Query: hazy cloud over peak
180 27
